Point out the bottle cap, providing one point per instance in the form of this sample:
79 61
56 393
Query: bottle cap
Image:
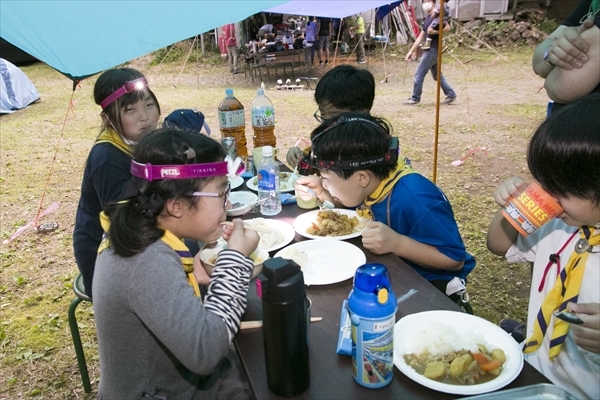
267 151
229 92
260 91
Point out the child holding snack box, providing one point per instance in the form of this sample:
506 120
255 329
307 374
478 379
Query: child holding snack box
564 158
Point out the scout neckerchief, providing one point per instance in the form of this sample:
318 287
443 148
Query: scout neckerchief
403 168
109 135
566 289
170 240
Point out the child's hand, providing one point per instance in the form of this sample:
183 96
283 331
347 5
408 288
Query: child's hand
378 238
509 188
587 335
293 156
199 271
243 240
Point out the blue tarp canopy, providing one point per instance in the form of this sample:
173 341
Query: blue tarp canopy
82 38
332 8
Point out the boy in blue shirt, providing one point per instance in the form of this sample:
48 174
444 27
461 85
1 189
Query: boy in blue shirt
360 168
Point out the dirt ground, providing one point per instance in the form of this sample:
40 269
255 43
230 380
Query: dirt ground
499 105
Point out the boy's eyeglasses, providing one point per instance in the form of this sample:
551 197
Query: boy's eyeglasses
128 87
224 195
318 116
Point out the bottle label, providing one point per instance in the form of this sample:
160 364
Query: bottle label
231 119
263 116
373 352
267 180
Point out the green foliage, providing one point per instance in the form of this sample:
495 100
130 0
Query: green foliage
548 26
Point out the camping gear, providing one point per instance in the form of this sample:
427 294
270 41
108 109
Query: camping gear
17 90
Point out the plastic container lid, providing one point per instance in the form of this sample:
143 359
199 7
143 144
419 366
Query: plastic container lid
267 151
229 92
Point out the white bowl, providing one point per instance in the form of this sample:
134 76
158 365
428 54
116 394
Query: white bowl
210 251
246 198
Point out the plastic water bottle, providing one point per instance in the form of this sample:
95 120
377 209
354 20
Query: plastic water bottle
263 120
285 326
372 306
268 183
232 122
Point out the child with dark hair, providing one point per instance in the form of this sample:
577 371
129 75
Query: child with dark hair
342 89
129 108
156 337
564 157
360 168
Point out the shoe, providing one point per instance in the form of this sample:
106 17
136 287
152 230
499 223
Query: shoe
320 63
411 101
237 71
449 100
514 328
362 61
326 61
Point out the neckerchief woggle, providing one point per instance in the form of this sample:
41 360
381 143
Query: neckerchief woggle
403 168
170 240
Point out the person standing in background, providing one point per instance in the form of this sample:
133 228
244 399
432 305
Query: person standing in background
429 59
324 33
312 29
233 52
358 29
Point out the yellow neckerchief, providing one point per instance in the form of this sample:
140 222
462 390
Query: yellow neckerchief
403 168
109 135
170 240
566 289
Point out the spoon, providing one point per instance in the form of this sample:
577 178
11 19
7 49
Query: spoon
323 204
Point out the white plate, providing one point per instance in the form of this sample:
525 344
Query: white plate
236 182
286 185
326 262
246 198
409 329
285 230
303 221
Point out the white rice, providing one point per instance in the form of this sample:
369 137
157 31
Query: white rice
440 338
298 256
267 240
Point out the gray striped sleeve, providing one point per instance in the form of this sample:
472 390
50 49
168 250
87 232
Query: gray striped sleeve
226 296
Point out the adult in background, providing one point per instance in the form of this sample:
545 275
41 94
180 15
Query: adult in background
312 30
324 34
569 59
233 52
266 31
429 58
358 30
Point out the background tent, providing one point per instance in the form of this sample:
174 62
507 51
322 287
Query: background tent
82 38
330 8
17 90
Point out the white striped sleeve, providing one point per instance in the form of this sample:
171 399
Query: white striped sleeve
226 296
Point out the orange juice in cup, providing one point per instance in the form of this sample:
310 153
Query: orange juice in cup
531 209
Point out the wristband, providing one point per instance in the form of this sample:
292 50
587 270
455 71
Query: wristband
546 61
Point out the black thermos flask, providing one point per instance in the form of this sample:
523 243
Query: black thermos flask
285 326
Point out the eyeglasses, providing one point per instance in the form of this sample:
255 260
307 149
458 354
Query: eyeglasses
318 116
128 87
224 195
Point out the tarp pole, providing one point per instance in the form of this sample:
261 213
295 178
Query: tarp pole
438 86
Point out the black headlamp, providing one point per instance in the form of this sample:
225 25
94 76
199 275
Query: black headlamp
389 158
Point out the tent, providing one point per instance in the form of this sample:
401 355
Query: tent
82 38
331 8
17 90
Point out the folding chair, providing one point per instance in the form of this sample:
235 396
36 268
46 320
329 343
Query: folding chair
79 290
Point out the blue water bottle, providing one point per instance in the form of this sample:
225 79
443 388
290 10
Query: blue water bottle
372 306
